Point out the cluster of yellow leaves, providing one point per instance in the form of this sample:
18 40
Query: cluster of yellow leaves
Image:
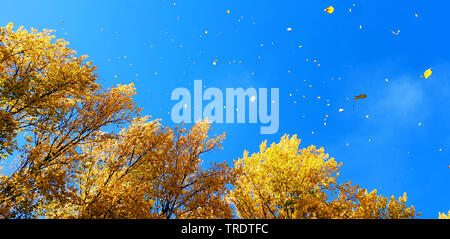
443 216
36 73
52 150
147 171
71 167
283 181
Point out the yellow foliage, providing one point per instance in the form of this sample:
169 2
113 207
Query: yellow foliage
283 181
70 167
36 73
443 216
150 171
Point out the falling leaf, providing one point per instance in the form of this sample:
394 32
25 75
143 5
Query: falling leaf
427 73
329 9
340 110
396 33
288 29
360 96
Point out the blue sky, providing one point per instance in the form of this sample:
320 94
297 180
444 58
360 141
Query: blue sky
402 146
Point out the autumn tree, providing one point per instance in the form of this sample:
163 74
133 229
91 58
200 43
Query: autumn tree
50 97
74 163
147 171
36 75
52 150
444 216
284 181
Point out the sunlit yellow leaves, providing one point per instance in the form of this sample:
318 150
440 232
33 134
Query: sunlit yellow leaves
144 171
329 9
10 26
44 72
427 73
283 181
444 216
54 101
